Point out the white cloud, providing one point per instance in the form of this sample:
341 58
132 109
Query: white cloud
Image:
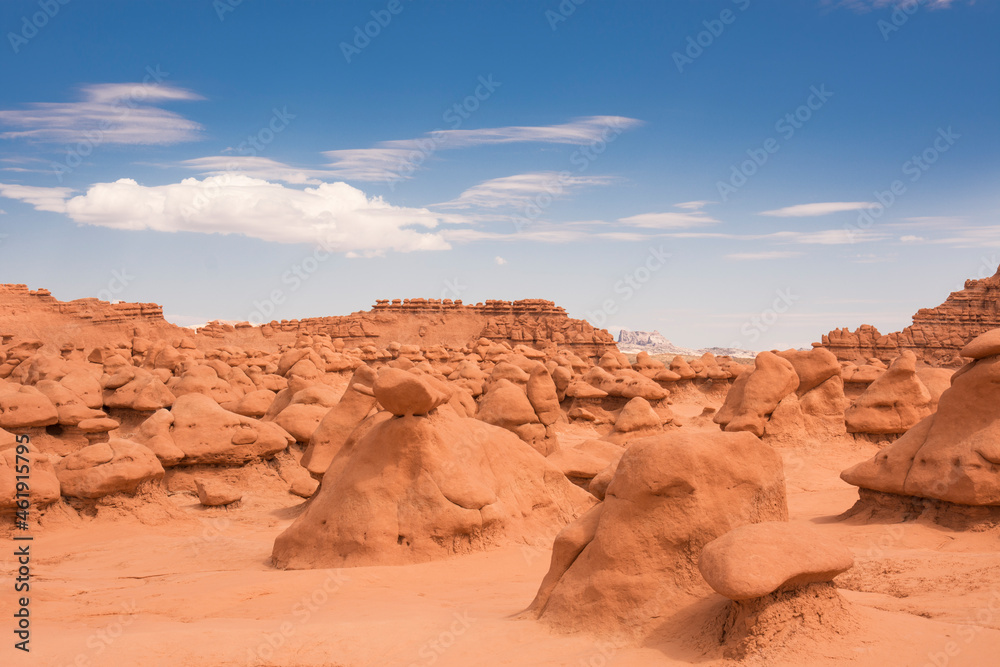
111 113
337 215
911 239
389 160
693 205
256 167
43 199
499 261
521 189
668 220
773 254
811 210
833 236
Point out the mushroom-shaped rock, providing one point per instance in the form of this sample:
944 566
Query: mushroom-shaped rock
755 395
43 488
678 491
759 558
813 367
144 392
25 407
636 420
207 433
682 368
116 466
982 346
415 489
506 405
403 393
254 403
893 403
952 455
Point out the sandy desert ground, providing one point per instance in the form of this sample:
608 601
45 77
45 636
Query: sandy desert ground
179 584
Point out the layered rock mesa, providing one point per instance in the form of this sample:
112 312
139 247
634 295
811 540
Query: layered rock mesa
27 314
936 335
533 322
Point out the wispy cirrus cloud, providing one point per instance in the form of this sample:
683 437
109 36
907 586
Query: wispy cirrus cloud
763 256
520 189
812 210
257 167
121 113
389 160
692 216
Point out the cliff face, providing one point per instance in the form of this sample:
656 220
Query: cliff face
641 338
28 313
936 335
532 322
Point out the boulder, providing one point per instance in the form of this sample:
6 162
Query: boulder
759 558
116 466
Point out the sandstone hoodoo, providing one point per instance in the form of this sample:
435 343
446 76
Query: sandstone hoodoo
936 336
676 491
951 455
418 487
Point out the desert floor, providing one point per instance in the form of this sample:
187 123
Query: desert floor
160 580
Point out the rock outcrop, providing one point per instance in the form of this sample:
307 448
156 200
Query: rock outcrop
954 454
677 491
937 334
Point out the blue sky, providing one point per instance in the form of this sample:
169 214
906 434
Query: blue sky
740 172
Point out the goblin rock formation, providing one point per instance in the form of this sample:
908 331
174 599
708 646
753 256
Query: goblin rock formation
936 335
954 454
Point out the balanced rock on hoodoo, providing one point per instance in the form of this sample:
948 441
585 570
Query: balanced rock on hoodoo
779 577
759 558
331 434
417 488
677 491
954 454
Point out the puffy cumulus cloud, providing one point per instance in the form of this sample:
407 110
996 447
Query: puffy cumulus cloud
336 215
112 113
